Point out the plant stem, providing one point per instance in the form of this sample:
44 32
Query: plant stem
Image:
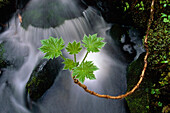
75 58
76 81
63 57
85 57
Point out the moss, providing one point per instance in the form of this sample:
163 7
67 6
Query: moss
52 17
3 62
138 101
42 78
1 53
135 68
158 43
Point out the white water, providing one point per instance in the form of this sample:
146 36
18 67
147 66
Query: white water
64 96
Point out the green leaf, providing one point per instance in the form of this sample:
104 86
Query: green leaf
147 107
164 5
85 70
157 91
164 62
69 64
163 15
52 47
152 91
142 3
137 5
165 20
74 48
93 43
160 104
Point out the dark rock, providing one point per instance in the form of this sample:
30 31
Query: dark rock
7 9
111 10
122 39
138 101
3 62
136 67
116 32
51 13
43 77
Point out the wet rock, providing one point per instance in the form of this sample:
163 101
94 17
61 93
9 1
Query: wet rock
3 62
120 34
43 77
116 32
51 13
135 68
138 101
7 9
111 10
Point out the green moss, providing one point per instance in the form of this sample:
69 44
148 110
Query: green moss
138 101
42 78
158 42
1 53
53 16
3 62
33 85
135 68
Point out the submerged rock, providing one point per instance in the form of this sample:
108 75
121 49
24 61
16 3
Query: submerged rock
42 78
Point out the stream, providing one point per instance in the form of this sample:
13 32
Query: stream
41 19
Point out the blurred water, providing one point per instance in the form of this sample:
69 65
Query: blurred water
64 96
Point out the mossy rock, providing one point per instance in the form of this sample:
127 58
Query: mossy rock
3 62
116 32
139 100
51 13
135 68
42 78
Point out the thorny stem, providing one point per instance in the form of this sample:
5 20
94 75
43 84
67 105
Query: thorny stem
85 57
141 76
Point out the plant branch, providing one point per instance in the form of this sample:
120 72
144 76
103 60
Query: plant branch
62 57
85 57
141 76
75 58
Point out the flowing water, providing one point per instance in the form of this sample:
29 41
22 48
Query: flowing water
64 96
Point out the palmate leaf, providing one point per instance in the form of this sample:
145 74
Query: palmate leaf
85 70
74 48
52 47
93 43
69 64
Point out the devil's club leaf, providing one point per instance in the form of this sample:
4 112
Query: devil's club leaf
73 48
85 70
52 47
69 64
93 43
